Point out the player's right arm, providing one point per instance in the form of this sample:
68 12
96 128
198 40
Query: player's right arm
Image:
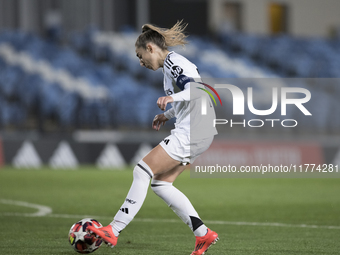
163 101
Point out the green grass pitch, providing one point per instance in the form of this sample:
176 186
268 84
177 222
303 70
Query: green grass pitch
242 211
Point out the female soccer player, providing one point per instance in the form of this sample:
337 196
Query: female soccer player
192 135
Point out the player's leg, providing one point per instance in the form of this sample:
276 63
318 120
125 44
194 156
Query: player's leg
180 204
157 161
176 200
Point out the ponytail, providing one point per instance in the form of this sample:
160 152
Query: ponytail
162 37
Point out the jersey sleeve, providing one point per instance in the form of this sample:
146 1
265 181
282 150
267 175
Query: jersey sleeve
190 92
169 114
184 74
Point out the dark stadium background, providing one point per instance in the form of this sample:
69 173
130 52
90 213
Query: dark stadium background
72 91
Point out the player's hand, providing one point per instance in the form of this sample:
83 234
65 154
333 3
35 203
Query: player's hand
158 121
163 101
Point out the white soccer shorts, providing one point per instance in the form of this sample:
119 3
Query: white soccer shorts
178 147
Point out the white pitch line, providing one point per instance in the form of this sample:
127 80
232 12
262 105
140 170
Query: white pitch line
270 224
265 224
45 211
42 210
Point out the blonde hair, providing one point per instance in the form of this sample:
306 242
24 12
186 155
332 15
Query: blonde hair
162 37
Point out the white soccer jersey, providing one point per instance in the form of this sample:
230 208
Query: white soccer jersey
187 104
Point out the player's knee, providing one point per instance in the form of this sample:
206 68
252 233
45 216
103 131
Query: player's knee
142 170
163 189
159 187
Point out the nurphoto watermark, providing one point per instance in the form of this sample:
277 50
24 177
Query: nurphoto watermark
260 125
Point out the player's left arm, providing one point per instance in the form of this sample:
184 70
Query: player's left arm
185 95
184 81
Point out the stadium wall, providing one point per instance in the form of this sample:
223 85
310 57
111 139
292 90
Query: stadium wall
69 153
304 17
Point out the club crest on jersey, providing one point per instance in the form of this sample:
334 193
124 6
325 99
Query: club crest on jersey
176 71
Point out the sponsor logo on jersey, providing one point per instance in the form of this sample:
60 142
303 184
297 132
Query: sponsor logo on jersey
176 71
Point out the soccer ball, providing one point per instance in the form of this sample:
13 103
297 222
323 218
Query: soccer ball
80 240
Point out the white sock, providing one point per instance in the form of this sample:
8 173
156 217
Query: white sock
201 231
142 175
180 204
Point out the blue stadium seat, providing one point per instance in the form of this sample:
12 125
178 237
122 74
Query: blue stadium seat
239 56
9 78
